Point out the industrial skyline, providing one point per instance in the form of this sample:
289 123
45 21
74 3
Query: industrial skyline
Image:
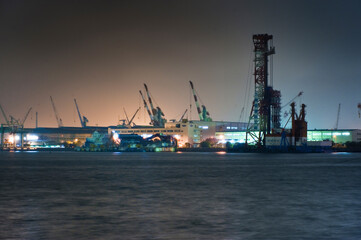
101 53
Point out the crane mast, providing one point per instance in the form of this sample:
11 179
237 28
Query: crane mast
146 106
157 112
203 114
83 119
58 119
196 101
154 111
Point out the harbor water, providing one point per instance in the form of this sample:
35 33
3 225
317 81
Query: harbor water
77 195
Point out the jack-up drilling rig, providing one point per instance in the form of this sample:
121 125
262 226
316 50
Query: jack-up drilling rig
266 110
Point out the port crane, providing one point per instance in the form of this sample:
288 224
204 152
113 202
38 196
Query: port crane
156 115
58 119
83 119
146 107
130 122
14 122
203 114
14 126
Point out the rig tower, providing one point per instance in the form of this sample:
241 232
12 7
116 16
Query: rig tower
265 112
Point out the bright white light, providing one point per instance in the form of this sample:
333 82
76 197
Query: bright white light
116 138
346 134
203 127
146 135
176 137
31 137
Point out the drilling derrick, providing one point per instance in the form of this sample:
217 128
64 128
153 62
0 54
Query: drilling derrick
264 97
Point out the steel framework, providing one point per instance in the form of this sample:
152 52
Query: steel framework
259 123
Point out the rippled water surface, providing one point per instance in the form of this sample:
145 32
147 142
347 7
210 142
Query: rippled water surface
66 195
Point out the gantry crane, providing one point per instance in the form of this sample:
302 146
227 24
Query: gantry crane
14 126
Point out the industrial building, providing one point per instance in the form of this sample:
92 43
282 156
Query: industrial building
188 133
47 137
340 136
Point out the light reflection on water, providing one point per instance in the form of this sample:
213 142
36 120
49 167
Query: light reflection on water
179 196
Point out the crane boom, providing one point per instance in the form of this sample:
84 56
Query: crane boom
26 116
196 101
146 106
58 119
4 115
80 117
126 115
183 115
298 95
154 111
131 120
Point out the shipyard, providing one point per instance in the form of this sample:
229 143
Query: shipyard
261 132
180 119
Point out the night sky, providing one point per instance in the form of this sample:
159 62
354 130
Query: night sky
101 53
